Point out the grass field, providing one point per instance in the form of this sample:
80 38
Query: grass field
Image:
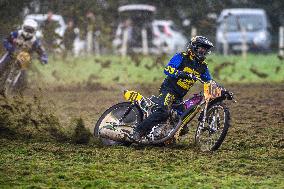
44 142
40 165
106 69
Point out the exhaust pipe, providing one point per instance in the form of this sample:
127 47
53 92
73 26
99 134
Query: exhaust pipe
119 134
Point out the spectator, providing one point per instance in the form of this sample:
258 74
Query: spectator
69 37
127 26
90 31
49 33
127 36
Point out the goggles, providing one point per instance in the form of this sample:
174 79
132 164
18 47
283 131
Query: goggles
29 29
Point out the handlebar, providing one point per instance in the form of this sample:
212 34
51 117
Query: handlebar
229 95
192 76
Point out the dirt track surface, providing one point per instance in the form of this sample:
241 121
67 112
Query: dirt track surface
257 117
252 154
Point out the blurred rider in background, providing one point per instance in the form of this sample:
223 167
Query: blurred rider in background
183 70
23 39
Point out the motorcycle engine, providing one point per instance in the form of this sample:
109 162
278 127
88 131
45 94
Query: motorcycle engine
163 129
160 131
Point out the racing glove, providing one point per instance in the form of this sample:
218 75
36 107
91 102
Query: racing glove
8 46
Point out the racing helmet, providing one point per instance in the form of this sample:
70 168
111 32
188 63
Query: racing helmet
29 28
200 47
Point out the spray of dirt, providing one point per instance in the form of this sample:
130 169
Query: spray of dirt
80 135
22 118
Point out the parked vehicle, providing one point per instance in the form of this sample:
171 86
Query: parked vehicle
134 31
162 35
167 36
239 25
116 125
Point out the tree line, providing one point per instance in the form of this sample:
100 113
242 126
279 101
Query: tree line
197 12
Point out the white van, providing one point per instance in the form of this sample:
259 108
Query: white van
234 23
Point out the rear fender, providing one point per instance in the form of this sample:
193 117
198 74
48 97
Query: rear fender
132 96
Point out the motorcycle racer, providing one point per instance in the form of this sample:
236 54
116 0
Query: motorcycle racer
23 39
181 72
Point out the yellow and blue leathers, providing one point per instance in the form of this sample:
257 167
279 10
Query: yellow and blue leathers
174 87
184 62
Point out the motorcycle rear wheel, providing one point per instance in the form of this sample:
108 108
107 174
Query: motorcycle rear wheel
210 136
112 115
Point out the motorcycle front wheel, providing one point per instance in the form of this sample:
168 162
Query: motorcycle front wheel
14 82
116 114
210 135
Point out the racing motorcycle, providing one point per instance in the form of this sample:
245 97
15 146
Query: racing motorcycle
115 126
13 78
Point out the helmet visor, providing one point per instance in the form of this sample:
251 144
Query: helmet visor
203 51
29 29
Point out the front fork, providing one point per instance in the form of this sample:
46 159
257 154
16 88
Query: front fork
202 117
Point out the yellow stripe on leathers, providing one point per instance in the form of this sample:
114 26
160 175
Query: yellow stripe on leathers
169 99
187 83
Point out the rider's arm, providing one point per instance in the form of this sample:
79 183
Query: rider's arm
8 43
171 68
40 51
206 77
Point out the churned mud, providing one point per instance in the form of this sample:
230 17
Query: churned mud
257 118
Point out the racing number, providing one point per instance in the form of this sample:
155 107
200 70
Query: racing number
133 96
170 69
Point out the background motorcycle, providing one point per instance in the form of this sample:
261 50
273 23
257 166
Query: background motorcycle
13 77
